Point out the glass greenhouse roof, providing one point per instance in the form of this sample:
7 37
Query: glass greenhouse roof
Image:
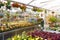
47 4
23 1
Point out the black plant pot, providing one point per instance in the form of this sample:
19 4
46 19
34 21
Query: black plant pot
8 7
1 5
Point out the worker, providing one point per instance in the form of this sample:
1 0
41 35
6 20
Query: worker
42 24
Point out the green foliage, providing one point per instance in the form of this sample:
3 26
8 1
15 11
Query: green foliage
9 39
1 4
34 9
37 9
57 26
23 8
53 19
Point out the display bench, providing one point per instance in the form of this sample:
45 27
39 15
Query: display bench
48 28
51 31
8 34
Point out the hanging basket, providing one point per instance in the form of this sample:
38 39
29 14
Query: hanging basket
34 9
23 7
37 9
15 5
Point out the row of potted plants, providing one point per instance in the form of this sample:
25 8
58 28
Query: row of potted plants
36 35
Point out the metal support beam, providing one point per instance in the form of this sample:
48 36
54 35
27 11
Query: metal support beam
31 2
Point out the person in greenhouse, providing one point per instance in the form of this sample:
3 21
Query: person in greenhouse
42 23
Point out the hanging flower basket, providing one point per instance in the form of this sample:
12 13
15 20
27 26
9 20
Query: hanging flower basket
15 4
23 7
37 9
34 9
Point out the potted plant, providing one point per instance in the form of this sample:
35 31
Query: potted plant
53 21
23 7
8 6
1 4
34 9
15 4
37 9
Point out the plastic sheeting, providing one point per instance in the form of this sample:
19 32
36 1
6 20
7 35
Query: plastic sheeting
23 1
47 4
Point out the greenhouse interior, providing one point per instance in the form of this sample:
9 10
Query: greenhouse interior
29 20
